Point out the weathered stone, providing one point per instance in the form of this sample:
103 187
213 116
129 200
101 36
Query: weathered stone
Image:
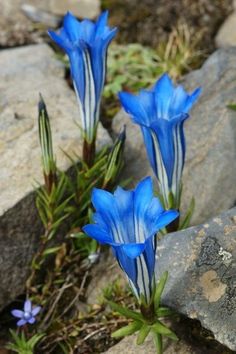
16 29
201 262
209 172
128 346
226 35
82 8
24 73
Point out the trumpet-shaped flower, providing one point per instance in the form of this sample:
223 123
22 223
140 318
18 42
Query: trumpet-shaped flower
86 45
128 221
161 113
27 315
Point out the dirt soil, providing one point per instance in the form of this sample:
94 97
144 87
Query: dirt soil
150 21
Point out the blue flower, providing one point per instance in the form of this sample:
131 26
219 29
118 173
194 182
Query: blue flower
27 315
86 45
129 221
161 113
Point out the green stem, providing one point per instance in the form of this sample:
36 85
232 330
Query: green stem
148 312
158 343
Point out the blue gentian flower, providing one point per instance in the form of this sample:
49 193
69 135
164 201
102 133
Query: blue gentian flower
128 221
27 315
161 113
86 45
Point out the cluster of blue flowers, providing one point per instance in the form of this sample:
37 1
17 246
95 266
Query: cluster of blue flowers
130 220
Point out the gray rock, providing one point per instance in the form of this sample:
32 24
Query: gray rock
209 172
16 29
226 35
128 346
201 262
24 73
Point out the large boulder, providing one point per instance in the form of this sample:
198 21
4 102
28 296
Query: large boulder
226 34
201 262
24 73
209 173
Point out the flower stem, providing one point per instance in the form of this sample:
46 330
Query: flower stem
89 152
148 312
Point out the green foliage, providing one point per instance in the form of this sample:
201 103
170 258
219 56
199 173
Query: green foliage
113 291
21 344
179 54
187 218
115 160
131 67
159 290
232 106
148 321
131 328
52 206
62 261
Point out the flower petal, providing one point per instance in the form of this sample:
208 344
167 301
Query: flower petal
17 313
31 320
72 27
36 310
97 233
143 195
101 23
133 250
21 323
166 218
27 306
87 31
132 106
163 89
61 39
192 99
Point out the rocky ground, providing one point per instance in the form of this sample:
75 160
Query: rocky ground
158 17
202 284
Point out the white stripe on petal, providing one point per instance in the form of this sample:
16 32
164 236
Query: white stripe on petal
81 111
99 94
161 171
90 97
143 280
178 163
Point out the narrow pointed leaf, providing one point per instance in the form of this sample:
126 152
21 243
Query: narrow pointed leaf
186 222
159 289
143 333
125 312
160 328
158 342
127 330
164 312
